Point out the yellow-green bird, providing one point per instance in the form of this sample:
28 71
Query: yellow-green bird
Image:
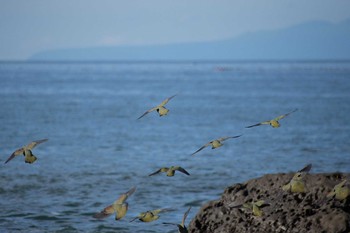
274 122
150 215
340 191
254 207
162 111
170 171
119 207
27 152
182 227
297 184
215 143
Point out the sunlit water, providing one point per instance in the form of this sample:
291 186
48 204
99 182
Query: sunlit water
97 148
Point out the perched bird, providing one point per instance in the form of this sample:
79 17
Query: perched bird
160 108
120 207
27 152
254 207
182 227
215 143
274 122
296 184
340 191
150 215
170 171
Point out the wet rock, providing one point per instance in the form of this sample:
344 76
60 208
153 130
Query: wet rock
287 212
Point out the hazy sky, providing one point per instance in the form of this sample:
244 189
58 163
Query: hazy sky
29 26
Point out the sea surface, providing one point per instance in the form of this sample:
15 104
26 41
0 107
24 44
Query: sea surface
97 149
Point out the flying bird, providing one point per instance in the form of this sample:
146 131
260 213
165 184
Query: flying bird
120 207
297 184
215 143
170 171
254 207
274 122
159 108
150 215
27 152
182 227
340 191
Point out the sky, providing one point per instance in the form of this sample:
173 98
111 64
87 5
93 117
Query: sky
30 26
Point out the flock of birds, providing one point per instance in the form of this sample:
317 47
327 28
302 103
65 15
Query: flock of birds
120 206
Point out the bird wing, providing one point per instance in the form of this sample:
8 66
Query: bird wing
148 111
134 218
33 144
124 196
180 169
307 168
204 146
185 216
14 154
105 212
284 115
164 169
157 211
261 123
166 101
225 138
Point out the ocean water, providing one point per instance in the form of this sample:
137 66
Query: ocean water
97 149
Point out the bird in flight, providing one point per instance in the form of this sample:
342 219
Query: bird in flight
340 191
215 143
159 108
120 207
182 227
170 171
150 215
27 152
274 122
297 184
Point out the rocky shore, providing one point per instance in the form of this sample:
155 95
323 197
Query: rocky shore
281 211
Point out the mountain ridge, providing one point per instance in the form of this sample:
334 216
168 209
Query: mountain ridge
310 41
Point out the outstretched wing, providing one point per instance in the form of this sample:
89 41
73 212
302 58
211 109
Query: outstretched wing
105 212
157 211
307 168
180 169
225 138
14 154
284 115
204 146
33 144
148 111
166 101
124 196
261 123
164 169
185 216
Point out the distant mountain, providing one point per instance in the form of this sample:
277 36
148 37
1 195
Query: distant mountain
312 40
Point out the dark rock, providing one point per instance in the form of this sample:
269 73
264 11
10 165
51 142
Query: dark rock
287 212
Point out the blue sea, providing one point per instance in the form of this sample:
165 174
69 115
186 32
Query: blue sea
97 149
